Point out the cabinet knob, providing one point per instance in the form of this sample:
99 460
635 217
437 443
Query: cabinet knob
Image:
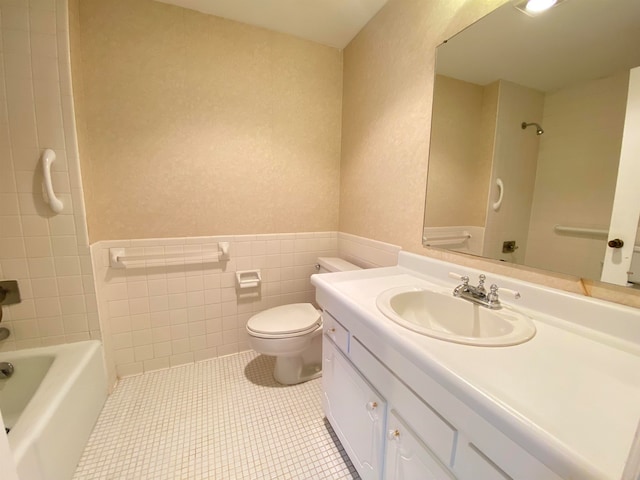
393 434
332 330
372 406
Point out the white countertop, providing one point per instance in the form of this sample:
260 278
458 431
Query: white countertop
573 392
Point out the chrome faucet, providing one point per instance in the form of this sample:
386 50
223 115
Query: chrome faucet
479 294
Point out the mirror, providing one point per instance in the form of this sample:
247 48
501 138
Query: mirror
527 125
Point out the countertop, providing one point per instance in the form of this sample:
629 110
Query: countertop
570 393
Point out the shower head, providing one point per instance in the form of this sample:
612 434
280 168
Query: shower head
539 130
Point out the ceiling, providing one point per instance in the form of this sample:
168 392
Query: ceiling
576 41
330 22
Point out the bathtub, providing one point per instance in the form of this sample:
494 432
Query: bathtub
50 405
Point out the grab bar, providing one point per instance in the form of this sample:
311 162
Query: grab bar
581 231
500 184
118 259
603 232
48 157
450 239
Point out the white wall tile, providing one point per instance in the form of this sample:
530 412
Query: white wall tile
160 350
41 267
15 17
67 265
12 247
74 304
42 21
34 225
48 307
45 287
38 247
193 310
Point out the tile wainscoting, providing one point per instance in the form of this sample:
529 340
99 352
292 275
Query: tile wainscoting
47 253
165 315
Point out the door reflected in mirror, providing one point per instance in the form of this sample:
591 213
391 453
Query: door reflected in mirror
527 132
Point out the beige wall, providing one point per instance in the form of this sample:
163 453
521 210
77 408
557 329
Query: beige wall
458 172
577 168
196 125
388 82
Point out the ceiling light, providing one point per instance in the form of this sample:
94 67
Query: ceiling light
535 7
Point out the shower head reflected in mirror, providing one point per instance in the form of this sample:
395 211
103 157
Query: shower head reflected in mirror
539 130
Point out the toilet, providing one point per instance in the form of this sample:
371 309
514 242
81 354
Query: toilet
293 334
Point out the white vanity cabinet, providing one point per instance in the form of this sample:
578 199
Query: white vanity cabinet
391 432
354 409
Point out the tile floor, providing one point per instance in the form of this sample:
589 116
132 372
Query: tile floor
222 419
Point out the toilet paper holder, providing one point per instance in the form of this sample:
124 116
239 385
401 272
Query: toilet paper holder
248 279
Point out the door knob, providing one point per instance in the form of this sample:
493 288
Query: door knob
615 243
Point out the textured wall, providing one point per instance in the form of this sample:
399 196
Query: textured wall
583 135
196 125
388 83
47 253
459 168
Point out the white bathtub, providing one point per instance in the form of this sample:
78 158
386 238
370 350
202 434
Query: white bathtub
51 404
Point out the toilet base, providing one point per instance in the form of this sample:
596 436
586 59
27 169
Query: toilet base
291 371
294 369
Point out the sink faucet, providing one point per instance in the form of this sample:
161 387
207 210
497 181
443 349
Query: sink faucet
479 294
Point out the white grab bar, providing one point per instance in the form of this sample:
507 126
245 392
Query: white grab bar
118 258
497 203
48 157
446 239
587 231
579 230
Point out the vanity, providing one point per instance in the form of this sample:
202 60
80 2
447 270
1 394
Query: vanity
562 404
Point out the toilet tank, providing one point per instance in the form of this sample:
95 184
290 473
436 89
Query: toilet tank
334 264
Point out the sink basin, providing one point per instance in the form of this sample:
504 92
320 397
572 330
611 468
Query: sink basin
443 316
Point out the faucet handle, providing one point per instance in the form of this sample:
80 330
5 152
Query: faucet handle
514 293
481 279
492 296
463 278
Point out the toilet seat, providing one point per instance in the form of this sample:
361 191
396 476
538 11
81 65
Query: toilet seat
285 321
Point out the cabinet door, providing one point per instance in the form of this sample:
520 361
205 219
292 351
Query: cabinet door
406 457
355 410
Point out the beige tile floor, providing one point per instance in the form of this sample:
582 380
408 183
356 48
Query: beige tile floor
221 419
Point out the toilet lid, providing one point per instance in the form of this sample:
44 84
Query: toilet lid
286 319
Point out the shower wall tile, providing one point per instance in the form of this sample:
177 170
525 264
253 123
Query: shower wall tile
47 253
167 312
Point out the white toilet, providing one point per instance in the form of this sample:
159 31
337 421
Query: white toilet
293 334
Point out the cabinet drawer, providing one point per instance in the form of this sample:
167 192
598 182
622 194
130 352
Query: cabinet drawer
336 332
433 430
472 463
492 456
407 457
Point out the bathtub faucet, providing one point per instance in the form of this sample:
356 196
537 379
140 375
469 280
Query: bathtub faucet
6 370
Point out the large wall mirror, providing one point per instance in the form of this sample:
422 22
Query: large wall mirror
530 119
